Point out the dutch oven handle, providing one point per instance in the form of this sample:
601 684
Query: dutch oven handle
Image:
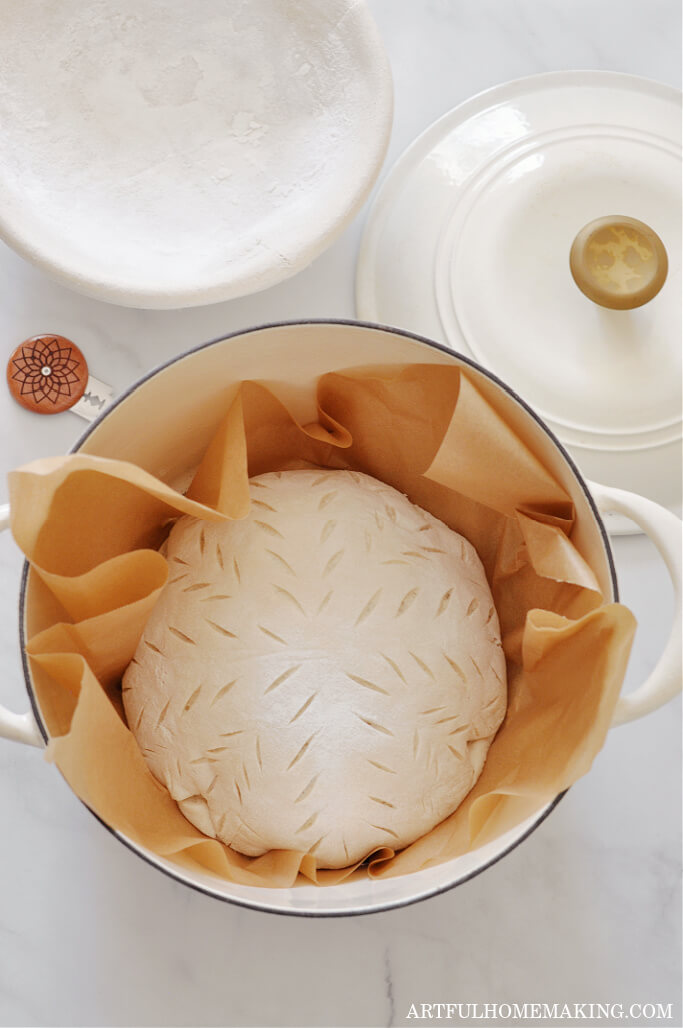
20 727
666 532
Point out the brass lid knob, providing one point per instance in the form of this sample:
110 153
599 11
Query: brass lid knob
618 262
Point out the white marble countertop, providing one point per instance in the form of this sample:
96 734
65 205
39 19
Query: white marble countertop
586 910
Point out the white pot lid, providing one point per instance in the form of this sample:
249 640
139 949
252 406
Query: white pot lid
469 239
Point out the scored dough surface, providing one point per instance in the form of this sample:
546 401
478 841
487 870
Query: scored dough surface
324 676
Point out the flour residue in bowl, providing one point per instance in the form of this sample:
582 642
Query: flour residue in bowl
152 146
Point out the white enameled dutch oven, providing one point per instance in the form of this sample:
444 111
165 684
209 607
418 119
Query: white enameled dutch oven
147 426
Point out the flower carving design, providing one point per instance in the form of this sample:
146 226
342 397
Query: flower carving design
46 371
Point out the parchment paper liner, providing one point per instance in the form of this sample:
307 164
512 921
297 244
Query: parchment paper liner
91 528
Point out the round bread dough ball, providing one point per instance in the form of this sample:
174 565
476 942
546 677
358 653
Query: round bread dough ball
324 676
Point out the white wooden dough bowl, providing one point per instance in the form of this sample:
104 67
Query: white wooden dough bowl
172 154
